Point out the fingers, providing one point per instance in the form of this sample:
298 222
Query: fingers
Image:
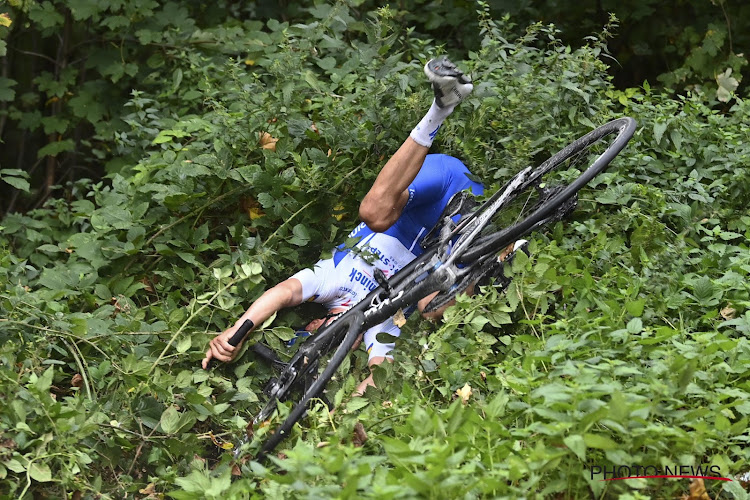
206 360
219 348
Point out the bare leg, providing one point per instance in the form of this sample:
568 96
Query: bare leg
438 313
362 387
382 205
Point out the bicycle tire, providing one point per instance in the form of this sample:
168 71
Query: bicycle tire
353 324
622 128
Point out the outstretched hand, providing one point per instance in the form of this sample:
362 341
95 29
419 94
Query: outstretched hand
221 349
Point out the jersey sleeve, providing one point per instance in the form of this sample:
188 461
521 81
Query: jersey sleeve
317 283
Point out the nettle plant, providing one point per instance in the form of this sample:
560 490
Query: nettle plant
619 341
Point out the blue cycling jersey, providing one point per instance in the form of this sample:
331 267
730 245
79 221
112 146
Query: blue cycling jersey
346 278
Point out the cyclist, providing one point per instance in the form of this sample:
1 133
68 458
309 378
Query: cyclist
404 202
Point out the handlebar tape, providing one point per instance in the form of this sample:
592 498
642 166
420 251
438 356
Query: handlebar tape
241 332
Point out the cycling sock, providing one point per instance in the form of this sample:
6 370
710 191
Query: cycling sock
426 130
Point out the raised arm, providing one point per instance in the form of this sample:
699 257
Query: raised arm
288 293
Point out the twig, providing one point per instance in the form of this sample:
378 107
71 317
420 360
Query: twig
424 372
79 361
184 217
328 413
231 283
295 214
193 212
128 431
29 53
140 448
388 418
729 26
63 335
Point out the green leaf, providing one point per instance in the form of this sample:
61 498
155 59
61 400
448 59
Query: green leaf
45 14
497 406
659 129
84 9
729 235
14 466
40 472
184 344
301 235
635 326
54 124
17 182
576 445
170 420
736 490
112 217
356 404
600 442
42 384
6 92
635 308
219 484
164 136
87 105
55 148
176 79
327 63
200 485
311 80
687 375
703 289
195 482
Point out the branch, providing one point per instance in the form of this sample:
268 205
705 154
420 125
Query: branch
36 54
230 284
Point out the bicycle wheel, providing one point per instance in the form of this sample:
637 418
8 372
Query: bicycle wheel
349 325
541 195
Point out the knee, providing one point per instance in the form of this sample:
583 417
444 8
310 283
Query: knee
371 213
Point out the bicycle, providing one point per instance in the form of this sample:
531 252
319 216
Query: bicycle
456 254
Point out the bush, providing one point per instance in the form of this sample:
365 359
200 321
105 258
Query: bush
619 342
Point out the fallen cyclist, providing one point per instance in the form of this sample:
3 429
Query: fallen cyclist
404 203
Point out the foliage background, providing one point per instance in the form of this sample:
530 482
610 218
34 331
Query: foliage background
162 163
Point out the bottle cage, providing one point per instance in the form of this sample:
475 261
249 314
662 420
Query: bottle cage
460 204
